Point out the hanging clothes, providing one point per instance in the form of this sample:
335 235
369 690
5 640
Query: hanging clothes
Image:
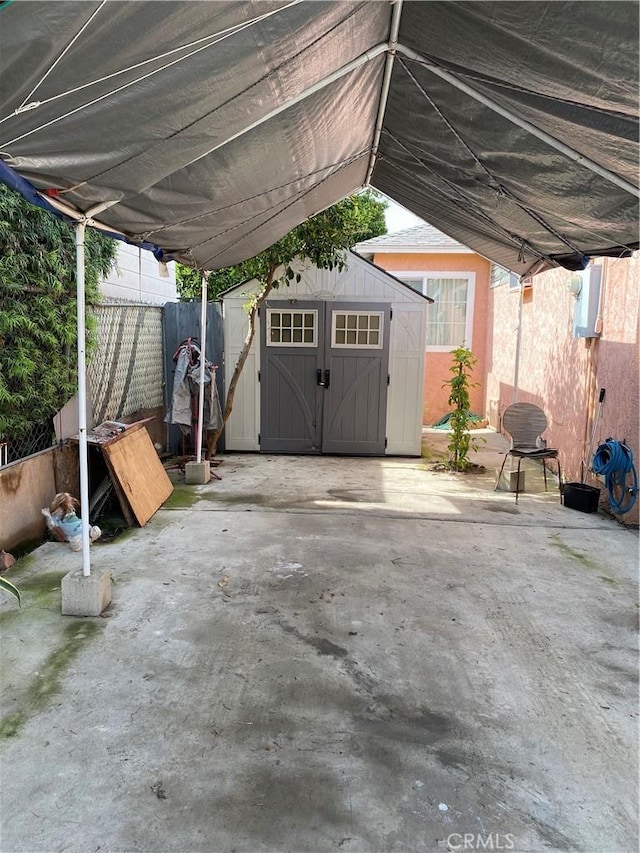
186 388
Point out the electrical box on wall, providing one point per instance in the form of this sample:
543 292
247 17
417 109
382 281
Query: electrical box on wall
585 286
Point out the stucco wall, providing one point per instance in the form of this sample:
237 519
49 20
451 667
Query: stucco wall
29 485
437 364
564 374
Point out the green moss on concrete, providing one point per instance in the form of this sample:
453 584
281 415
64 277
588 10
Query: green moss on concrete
182 497
23 562
607 579
557 542
12 725
42 590
41 597
46 682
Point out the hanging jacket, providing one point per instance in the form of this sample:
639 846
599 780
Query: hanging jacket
186 388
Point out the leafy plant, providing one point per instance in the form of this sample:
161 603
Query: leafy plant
38 316
320 240
459 384
7 586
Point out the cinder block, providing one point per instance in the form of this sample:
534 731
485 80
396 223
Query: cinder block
197 473
85 596
509 480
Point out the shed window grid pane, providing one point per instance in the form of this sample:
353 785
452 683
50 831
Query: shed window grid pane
357 329
291 328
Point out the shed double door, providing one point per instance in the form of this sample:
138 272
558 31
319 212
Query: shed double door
324 377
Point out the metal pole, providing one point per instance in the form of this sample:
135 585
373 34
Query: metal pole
82 399
516 368
367 56
386 83
521 122
203 338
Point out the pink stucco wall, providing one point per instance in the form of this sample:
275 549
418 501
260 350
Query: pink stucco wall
563 374
437 363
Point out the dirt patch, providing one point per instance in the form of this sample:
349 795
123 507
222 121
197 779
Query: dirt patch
430 454
446 468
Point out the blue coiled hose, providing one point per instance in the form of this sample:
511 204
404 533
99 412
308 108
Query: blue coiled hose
614 460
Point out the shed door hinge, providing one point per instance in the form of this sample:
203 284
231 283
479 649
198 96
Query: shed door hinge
386 442
259 439
388 379
258 376
391 313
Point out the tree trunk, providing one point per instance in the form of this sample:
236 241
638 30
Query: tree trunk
214 436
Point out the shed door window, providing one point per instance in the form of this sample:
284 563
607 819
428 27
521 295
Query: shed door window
292 328
357 330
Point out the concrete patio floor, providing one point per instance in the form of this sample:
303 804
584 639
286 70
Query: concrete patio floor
319 654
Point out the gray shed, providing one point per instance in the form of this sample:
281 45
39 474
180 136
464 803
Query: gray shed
336 366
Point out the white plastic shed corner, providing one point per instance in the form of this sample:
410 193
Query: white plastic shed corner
336 365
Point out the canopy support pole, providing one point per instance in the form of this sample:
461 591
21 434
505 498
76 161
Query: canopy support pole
571 153
386 84
516 366
80 228
203 340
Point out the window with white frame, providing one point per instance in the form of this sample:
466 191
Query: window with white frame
500 276
357 329
450 316
292 328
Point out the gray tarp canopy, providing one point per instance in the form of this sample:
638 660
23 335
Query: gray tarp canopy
212 128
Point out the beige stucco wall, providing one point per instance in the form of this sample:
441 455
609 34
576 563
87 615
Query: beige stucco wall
563 374
29 485
437 364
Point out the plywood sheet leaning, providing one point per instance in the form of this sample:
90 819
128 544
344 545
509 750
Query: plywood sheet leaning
137 470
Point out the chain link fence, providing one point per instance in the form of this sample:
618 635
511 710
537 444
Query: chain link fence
38 437
125 373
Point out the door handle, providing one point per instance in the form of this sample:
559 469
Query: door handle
327 378
319 378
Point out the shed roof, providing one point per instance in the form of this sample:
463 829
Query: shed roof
392 280
211 129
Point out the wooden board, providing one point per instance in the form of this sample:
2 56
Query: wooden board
127 514
136 469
